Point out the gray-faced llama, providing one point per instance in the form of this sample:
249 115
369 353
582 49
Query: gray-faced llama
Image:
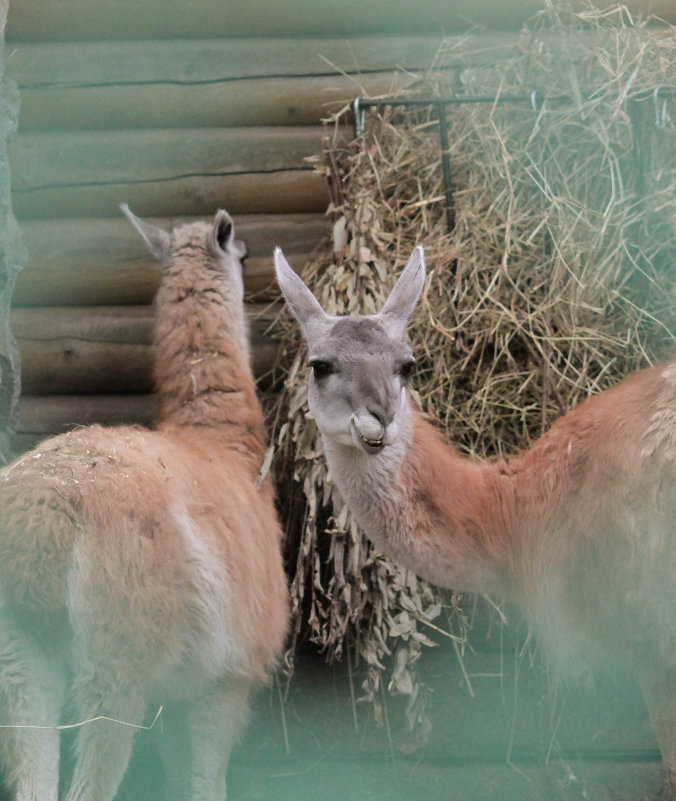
141 568
580 529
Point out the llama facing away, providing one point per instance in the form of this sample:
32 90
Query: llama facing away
580 529
142 568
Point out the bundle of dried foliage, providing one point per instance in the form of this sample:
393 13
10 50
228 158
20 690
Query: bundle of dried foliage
557 280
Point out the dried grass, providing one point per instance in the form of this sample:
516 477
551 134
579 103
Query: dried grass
558 280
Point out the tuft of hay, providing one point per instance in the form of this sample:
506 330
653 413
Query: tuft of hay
558 279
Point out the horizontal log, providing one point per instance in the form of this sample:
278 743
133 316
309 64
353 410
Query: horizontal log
42 416
65 365
103 261
58 242
68 20
71 366
63 159
284 192
107 349
125 283
274 101
260 281
129 325
192 62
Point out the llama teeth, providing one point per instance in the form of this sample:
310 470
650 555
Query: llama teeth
374 443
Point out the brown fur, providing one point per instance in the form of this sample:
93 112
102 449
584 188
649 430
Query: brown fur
149 561
580 529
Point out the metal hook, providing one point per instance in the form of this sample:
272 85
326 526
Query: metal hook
660 113
537 100
359 117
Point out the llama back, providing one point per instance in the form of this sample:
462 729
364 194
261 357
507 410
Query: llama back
608 539
120 523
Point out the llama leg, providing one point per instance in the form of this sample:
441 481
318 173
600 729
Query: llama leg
32 688
214 724
171 736
659 690
103 746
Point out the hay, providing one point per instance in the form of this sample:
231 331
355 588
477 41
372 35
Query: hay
557 281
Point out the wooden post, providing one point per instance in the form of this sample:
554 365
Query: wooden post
12 254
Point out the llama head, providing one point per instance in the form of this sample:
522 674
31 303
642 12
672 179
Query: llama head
360 368
212 245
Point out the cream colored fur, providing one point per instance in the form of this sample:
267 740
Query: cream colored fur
140 568
580 529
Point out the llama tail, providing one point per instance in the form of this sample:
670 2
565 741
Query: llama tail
37 538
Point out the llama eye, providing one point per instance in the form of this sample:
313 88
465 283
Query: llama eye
406 369
321 369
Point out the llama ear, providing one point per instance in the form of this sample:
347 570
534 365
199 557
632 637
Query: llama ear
401 302
223 235
314 321
157 239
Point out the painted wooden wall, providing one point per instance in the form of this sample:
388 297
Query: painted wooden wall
36 20
177 109
176 128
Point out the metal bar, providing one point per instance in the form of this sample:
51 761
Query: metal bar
446 167
359 105
446 101
661 91
536 98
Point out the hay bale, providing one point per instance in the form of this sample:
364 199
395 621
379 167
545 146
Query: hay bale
558 280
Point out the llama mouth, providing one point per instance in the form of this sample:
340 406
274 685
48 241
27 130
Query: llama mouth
371 445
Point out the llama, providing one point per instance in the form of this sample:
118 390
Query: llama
142 568
579 529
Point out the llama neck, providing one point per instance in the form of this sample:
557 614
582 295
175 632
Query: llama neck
202 374
445 517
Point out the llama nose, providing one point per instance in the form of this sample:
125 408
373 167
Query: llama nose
382 414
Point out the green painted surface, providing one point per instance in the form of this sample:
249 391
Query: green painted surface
517 738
